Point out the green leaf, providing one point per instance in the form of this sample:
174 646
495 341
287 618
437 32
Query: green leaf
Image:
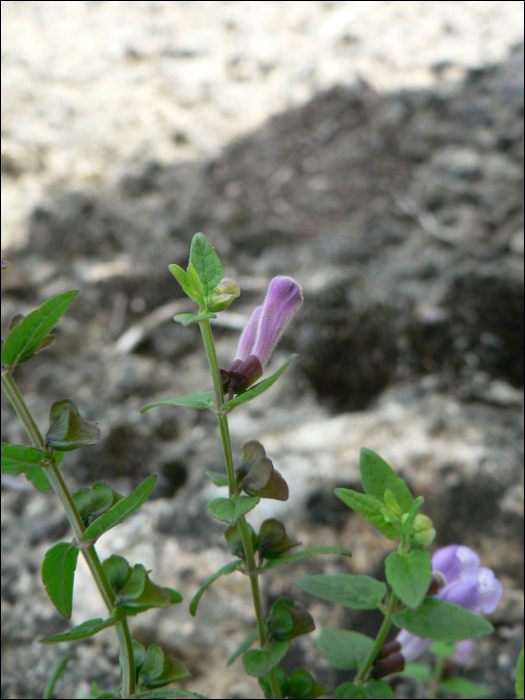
344 649
461 686
369 507
244 646
26 338
168 693
229 510
257 662
206 263
67 429
351 591
228 568
443 649
409 575
257 389
218 479
55 675
186 319
202 400
438 619
159 669
371 690
120 511
519 676
377 476
418 672
303 685
183 279
58 574
140 593
85 629
296 556
28 460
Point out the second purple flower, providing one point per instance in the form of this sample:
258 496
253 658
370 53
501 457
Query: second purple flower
262 333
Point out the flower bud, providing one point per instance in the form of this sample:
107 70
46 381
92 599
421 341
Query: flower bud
288 620
423 530
223 295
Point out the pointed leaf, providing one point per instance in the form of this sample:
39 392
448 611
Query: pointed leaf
409 575
120 510
218 479
85 629
438 619
461 686
519 685
244 646
206 263
296 556
182 278
25 338
344 649
229 510
202 400
58 575
228 568
351 591
369 507
377 476
257 389
67 429
24 459
186 319
418 672
257 662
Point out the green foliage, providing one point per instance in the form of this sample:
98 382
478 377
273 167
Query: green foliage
159 669
218 479
120 511
234 540
273 541
202 400
27 460
230 510
296 556
409 575
29 336
440 620
134 591
370 508
519 676
244 646
461 686
187 319
85 629
344 649
207 264
257 662
288 620
228 568
92 502
58 575
370 690
256 389
55 675
418 672
350 590
300 685
67 429
377 476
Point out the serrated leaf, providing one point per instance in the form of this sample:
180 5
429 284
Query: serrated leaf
27 460
85 629
120 510
25 338
228 568
440 620
350 590
302 554
377 476
369 691
186 318
58 575
218 479
202 400
67 429
244 646
409 575
206 263
258 662
229 510
257 389
418 672
344 649
461 686
182 278
369 507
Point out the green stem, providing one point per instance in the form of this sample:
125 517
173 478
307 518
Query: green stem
378 642
250 564
89 552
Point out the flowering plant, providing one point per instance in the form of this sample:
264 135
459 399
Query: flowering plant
430 599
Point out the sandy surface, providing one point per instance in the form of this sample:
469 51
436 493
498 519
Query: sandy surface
92 89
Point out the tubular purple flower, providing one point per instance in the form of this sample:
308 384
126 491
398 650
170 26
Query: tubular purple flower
473 587
262 333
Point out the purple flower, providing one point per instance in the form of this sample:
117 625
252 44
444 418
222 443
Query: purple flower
462 581
262 334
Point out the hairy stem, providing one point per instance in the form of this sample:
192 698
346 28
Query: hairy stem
250 565
89 552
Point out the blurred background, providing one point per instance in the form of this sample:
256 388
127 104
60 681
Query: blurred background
371 150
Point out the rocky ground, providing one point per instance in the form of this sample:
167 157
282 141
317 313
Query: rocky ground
399 211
